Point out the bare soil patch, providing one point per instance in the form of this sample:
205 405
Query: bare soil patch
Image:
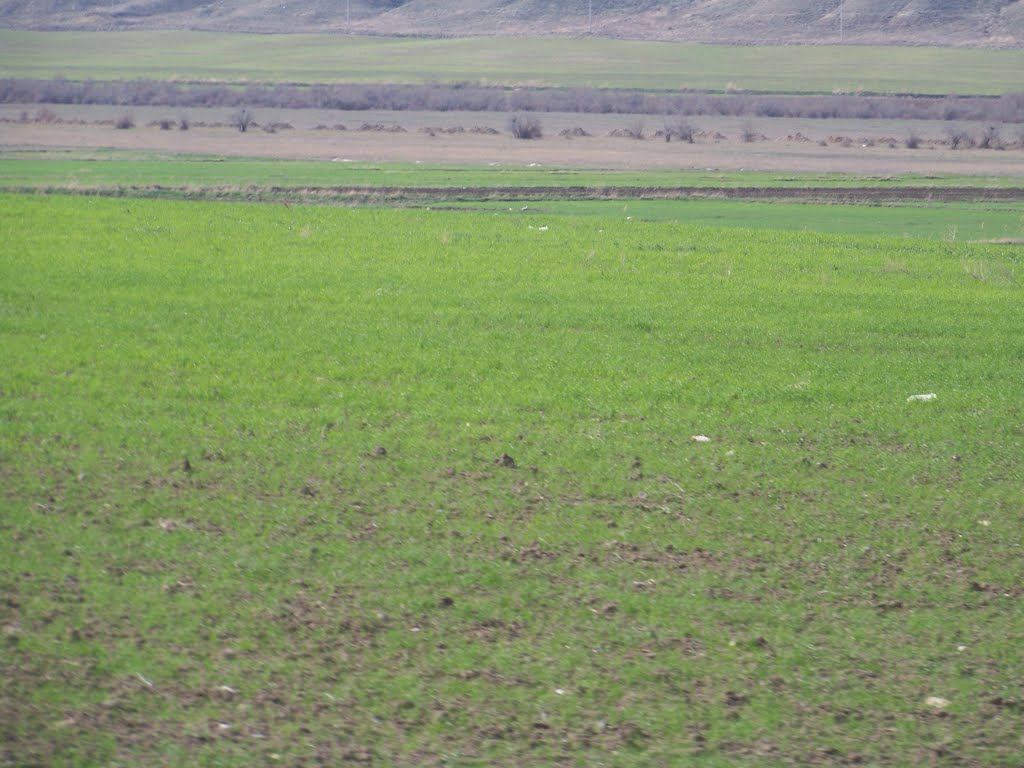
478 148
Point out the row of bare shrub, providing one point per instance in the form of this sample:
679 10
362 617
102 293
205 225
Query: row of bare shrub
476 98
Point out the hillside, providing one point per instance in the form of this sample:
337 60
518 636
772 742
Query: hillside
938 22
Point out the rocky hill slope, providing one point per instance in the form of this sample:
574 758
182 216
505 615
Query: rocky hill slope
941 22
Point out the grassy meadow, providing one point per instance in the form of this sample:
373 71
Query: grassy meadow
121 168
593 62
318 485
526 192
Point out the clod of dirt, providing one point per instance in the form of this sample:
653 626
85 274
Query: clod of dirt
447 602
1013 704
380 452
505 461
734 699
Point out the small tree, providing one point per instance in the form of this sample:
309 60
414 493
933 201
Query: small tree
681 129
243 120
747 132
957 136
990 138
525 127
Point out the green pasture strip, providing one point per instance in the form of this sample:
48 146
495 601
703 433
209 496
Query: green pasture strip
86 168
946 221
207 56
239 179
315 484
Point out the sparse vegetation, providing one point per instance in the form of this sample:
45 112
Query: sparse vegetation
477 98
989 138
243 120
684 131
957 137
525 126
43 115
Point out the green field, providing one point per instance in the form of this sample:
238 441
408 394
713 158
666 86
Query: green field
205 56
498 190
109 168
946 222
348 486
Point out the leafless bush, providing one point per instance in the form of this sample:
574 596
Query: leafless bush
45 115
278 126
989 138
525 127
471 97
680 129
183 123
383 128
1011 107
124 122
957 137
747 132
165 123
913 141
243 120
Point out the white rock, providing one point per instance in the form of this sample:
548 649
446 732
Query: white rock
929 396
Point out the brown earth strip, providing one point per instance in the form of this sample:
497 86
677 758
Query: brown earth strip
398 195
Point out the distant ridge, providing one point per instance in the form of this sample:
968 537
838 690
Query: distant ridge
992 23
